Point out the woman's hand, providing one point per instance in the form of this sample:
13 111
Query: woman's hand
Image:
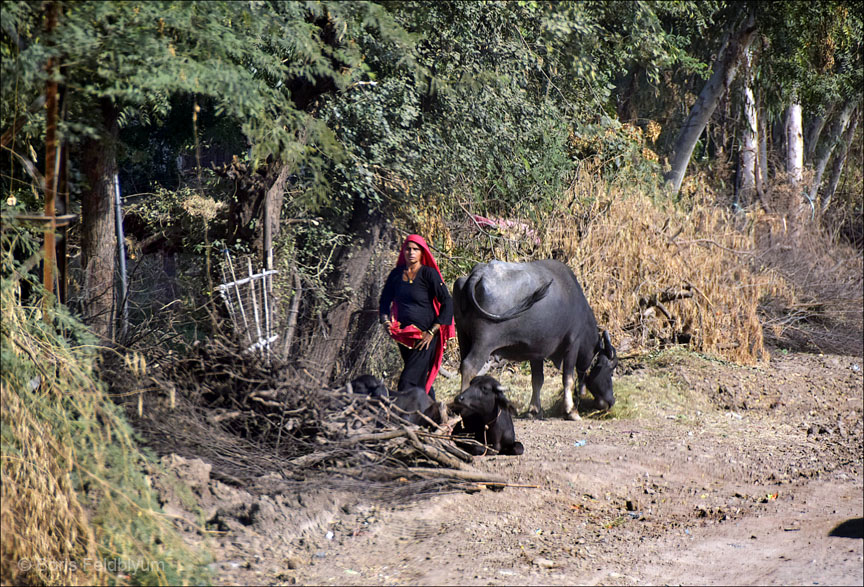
387 323
428 336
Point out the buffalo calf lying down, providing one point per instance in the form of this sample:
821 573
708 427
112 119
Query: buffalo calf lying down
368 385
486 417
408 404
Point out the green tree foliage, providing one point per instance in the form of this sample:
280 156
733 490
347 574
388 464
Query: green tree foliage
815 47
501 87
376 106
253 63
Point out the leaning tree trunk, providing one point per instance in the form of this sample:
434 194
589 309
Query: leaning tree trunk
274 197
840 160
98 237
814 131
749 140
725 68
350 316
794 143
823 153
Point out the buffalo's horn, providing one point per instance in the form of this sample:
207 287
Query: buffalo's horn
610 350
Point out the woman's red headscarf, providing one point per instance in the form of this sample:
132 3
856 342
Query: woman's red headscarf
409 335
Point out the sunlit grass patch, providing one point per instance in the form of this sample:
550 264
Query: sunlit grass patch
653 390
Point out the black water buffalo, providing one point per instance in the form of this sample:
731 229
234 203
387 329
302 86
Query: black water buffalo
486 417
530 312
408 404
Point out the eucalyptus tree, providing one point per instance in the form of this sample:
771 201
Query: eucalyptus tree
802 57
739 34
840 161
811 69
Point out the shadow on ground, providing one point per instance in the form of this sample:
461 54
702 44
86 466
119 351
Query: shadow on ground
853 528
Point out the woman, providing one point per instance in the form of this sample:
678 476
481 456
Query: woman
417 311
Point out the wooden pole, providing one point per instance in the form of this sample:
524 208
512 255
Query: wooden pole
49 251
62 250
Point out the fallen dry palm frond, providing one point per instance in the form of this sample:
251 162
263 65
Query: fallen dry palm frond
249 420
638 256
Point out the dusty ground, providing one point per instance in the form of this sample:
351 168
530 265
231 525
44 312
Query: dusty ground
709 473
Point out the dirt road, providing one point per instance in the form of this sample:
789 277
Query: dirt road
713 474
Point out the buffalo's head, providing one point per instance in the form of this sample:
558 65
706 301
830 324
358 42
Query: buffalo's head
599 377
483 397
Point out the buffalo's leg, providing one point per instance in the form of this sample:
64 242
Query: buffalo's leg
570 412
582 391
471 365
536 384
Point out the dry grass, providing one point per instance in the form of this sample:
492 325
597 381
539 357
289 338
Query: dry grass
826 274
633 250
51 534
46 532
77 508
625 247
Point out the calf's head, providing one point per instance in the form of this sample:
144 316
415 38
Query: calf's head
369 385
599 377
484 396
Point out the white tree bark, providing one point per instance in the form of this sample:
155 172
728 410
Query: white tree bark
823 153
794 143
763 152
749 139
725 68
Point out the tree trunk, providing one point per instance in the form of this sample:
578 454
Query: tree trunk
749 141
814 131
840 159
794 143
351 317
725 68
626 108
98 238
823 153
762 158
272 212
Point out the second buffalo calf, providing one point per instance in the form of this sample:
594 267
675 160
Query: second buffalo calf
486 417
409 404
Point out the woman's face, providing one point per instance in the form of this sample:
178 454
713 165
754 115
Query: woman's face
413 253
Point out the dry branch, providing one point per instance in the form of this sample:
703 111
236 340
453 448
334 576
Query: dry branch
249 420
469 475
433 452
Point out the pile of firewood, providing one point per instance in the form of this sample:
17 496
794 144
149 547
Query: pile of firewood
249 419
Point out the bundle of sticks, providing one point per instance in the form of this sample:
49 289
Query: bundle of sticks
307 428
